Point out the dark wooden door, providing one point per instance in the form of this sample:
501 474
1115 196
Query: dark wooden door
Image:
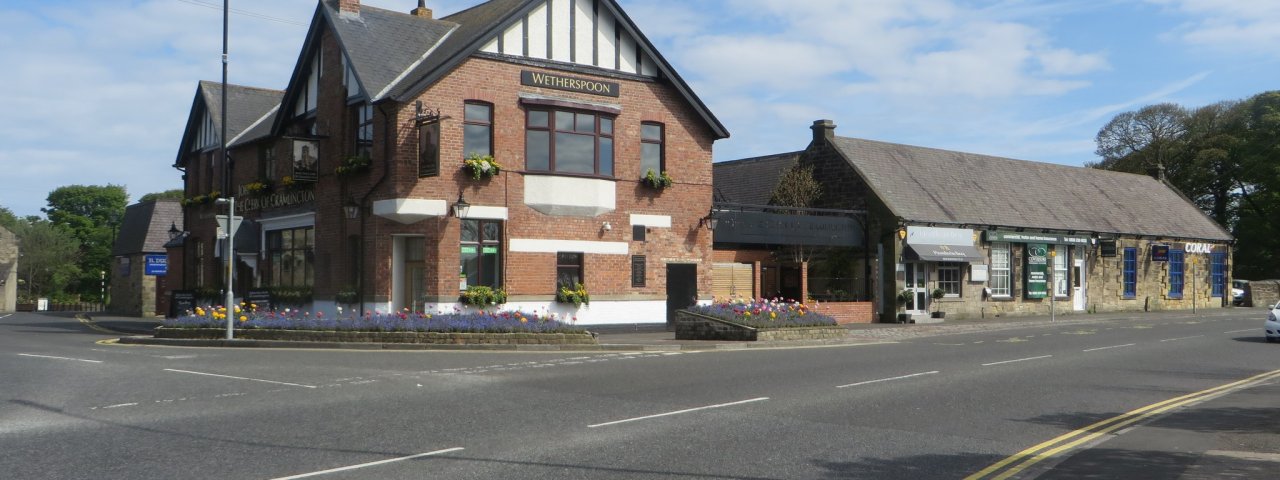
682 289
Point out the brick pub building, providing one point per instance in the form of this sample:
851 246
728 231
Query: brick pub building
355 192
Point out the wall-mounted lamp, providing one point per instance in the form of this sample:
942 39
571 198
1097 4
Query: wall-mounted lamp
710 221
461 207
606 227
351 208
902 233
173 230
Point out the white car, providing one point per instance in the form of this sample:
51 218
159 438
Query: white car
1272 327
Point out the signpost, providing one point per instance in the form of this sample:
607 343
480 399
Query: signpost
1053 314
230 223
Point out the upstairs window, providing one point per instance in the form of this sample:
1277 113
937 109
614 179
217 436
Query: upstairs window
652 155
570 142
477 129
362 129
267 162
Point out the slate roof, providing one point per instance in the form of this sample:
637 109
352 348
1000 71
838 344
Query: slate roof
750 181
250 112
383 44
145 228
927 185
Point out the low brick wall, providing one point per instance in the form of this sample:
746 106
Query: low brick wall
846 312
424 338
692 326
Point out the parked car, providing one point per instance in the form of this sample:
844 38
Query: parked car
1272 328
1237 292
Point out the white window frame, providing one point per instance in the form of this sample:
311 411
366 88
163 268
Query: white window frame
1061 271
1001 271
956 275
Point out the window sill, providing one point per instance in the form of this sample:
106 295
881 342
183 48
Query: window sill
565 174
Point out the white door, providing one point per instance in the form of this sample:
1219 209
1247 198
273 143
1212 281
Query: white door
917 280
1078 286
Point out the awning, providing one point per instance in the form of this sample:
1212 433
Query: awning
946 253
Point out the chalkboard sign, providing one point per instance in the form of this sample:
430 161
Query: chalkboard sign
1108 248
181 302
261 298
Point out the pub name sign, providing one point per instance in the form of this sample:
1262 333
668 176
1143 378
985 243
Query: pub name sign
570 84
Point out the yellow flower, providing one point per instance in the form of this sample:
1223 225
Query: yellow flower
243 318
237 309
524 320
773 315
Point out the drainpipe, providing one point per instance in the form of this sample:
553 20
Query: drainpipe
364 218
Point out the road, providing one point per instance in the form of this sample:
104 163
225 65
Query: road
932 407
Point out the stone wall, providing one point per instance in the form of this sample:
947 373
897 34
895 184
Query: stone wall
133 292
1262 293
8 270
692 326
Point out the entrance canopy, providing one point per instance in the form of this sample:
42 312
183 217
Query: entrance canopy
946 253
934 244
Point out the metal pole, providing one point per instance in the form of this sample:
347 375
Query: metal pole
230 252
1193 285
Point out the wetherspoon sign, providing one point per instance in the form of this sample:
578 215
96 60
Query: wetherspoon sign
571 84
1029 237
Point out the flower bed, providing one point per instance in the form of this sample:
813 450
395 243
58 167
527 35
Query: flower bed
247 319
755 320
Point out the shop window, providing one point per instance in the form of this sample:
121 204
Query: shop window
1218 274
1001 282
652 155
477 129
563 141
362 130
429 149
568 269
1130 272
292 254
1060 280
482 253
1177 274
949 279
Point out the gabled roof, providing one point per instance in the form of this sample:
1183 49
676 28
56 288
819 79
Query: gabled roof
246 108
145 228
928 185
750 181
395 56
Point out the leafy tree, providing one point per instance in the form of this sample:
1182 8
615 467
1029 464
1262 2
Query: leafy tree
797 188
8 220
49 258
91 214
175 194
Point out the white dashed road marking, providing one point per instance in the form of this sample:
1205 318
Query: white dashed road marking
888 379
1018 360
370 464
1107 348
678 412
240 378
58 358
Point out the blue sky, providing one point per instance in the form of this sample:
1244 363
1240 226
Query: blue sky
98 92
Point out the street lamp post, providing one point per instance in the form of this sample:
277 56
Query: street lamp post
229 251
1053 287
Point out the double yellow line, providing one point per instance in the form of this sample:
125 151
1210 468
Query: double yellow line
1013 465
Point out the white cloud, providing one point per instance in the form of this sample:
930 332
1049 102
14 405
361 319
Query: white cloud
1228 25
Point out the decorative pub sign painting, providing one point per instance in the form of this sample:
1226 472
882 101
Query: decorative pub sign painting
306 154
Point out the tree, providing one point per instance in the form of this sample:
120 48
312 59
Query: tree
175 194
797 188
91 215
8 220
49 258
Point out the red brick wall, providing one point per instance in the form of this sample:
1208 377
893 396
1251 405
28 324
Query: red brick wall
847 312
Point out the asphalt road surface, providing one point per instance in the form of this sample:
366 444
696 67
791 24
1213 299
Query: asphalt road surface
1178 396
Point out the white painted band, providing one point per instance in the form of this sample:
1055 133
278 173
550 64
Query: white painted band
530 245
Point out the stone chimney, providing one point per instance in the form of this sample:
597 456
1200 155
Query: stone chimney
352 6
1158 172
823 131
422 10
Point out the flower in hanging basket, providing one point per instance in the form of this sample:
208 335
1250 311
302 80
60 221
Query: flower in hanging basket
656 180
353 165
257 187
481 166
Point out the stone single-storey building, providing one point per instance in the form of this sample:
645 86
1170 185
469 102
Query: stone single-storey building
140 266
982 236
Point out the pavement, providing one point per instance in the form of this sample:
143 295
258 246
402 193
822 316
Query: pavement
655 337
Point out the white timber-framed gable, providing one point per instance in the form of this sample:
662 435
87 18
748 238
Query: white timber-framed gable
581 32
208 137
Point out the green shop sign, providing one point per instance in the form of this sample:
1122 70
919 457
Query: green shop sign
1037 270
1028 237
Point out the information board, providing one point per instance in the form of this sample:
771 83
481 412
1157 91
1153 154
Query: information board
181 302
1037 270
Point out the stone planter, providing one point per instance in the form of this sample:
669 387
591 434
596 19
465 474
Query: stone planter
421 338
693 326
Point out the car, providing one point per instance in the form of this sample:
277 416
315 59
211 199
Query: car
1237 291
1272 328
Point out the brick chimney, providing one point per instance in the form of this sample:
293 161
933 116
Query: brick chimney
352 6
823 131
422 10
1158 172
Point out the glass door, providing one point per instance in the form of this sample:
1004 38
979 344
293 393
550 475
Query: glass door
917 282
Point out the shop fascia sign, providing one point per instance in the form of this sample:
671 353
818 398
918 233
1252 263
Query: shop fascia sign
571 84
1198 248
1027 237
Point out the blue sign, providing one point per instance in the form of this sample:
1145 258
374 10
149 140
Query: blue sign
156 265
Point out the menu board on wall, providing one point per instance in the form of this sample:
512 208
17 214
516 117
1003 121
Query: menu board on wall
1037 270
